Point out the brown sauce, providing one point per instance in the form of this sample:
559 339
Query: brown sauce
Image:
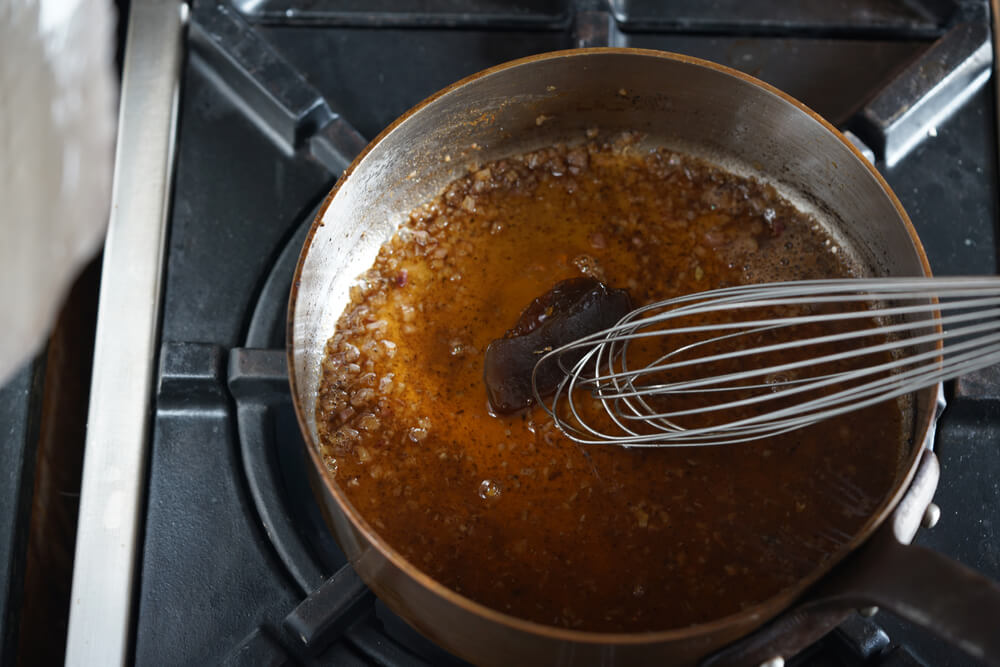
508 512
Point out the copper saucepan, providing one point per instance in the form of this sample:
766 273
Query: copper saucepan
694 106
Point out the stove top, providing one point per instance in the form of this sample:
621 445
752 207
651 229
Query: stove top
232 561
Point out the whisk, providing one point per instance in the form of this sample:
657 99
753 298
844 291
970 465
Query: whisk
744 363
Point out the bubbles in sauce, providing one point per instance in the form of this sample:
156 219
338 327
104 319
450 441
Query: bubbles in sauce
504 509
489 490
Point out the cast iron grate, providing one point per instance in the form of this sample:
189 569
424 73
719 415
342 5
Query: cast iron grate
331 617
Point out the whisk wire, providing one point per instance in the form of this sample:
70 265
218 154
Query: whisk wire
637 401
700 383
789 322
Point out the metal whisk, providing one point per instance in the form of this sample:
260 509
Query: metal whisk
744 363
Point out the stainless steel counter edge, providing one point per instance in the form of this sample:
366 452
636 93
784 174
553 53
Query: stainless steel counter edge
114 472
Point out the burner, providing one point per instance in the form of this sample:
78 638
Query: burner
235 562
275 462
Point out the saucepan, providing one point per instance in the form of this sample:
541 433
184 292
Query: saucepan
686 104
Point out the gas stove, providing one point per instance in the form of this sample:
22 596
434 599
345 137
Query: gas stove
199 539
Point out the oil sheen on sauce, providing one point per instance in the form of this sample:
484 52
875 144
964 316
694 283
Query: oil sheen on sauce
509 513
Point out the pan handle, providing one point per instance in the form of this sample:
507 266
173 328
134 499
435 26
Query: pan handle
919 585
922 586
928 589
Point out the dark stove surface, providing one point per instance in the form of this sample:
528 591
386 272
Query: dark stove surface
236 563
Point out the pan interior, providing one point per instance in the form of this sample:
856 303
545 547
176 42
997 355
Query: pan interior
674 102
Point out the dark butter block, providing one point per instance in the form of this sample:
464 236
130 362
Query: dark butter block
572 309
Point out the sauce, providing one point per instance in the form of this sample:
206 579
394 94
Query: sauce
508 512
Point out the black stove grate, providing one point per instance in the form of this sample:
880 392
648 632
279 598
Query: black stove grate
237 565
338 606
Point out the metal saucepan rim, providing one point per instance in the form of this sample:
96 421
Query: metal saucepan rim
759 612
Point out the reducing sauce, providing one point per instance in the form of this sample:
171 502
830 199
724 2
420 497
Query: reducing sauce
504 509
